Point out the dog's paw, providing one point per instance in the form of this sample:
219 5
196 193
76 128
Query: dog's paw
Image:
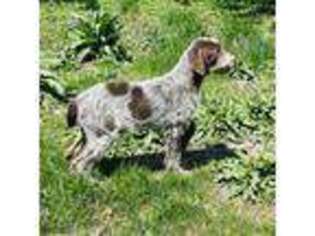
178 169
182 171
76 167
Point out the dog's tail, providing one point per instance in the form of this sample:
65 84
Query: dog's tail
72 114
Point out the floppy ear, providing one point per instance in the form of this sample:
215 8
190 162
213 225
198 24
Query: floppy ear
202 57
197 62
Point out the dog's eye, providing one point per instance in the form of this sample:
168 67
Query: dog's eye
211 59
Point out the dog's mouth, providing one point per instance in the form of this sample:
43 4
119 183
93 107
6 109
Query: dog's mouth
224 63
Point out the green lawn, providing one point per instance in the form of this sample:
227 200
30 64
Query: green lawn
231 188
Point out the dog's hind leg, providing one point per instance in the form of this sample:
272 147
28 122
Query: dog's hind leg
76 147
96 156
91 153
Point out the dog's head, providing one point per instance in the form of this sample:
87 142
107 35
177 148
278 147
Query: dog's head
206 54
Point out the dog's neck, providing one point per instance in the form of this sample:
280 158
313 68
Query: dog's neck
183 74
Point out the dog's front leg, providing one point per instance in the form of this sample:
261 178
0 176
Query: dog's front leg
174 148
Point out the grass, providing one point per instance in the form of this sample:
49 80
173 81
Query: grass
229 192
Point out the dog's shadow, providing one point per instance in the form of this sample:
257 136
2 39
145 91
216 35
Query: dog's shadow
191 159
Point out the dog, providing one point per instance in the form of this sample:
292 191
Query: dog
167 102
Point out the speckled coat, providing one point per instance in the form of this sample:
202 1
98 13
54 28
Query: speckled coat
168 101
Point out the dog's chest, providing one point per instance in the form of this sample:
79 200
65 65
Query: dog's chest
184 107
179 107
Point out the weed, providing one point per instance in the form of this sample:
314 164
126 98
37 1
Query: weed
96 35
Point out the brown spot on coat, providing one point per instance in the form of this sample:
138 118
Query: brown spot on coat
139 104
72 114
117 88
109 126
99 132
110 123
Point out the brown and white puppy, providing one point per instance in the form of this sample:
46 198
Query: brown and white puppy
167 101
